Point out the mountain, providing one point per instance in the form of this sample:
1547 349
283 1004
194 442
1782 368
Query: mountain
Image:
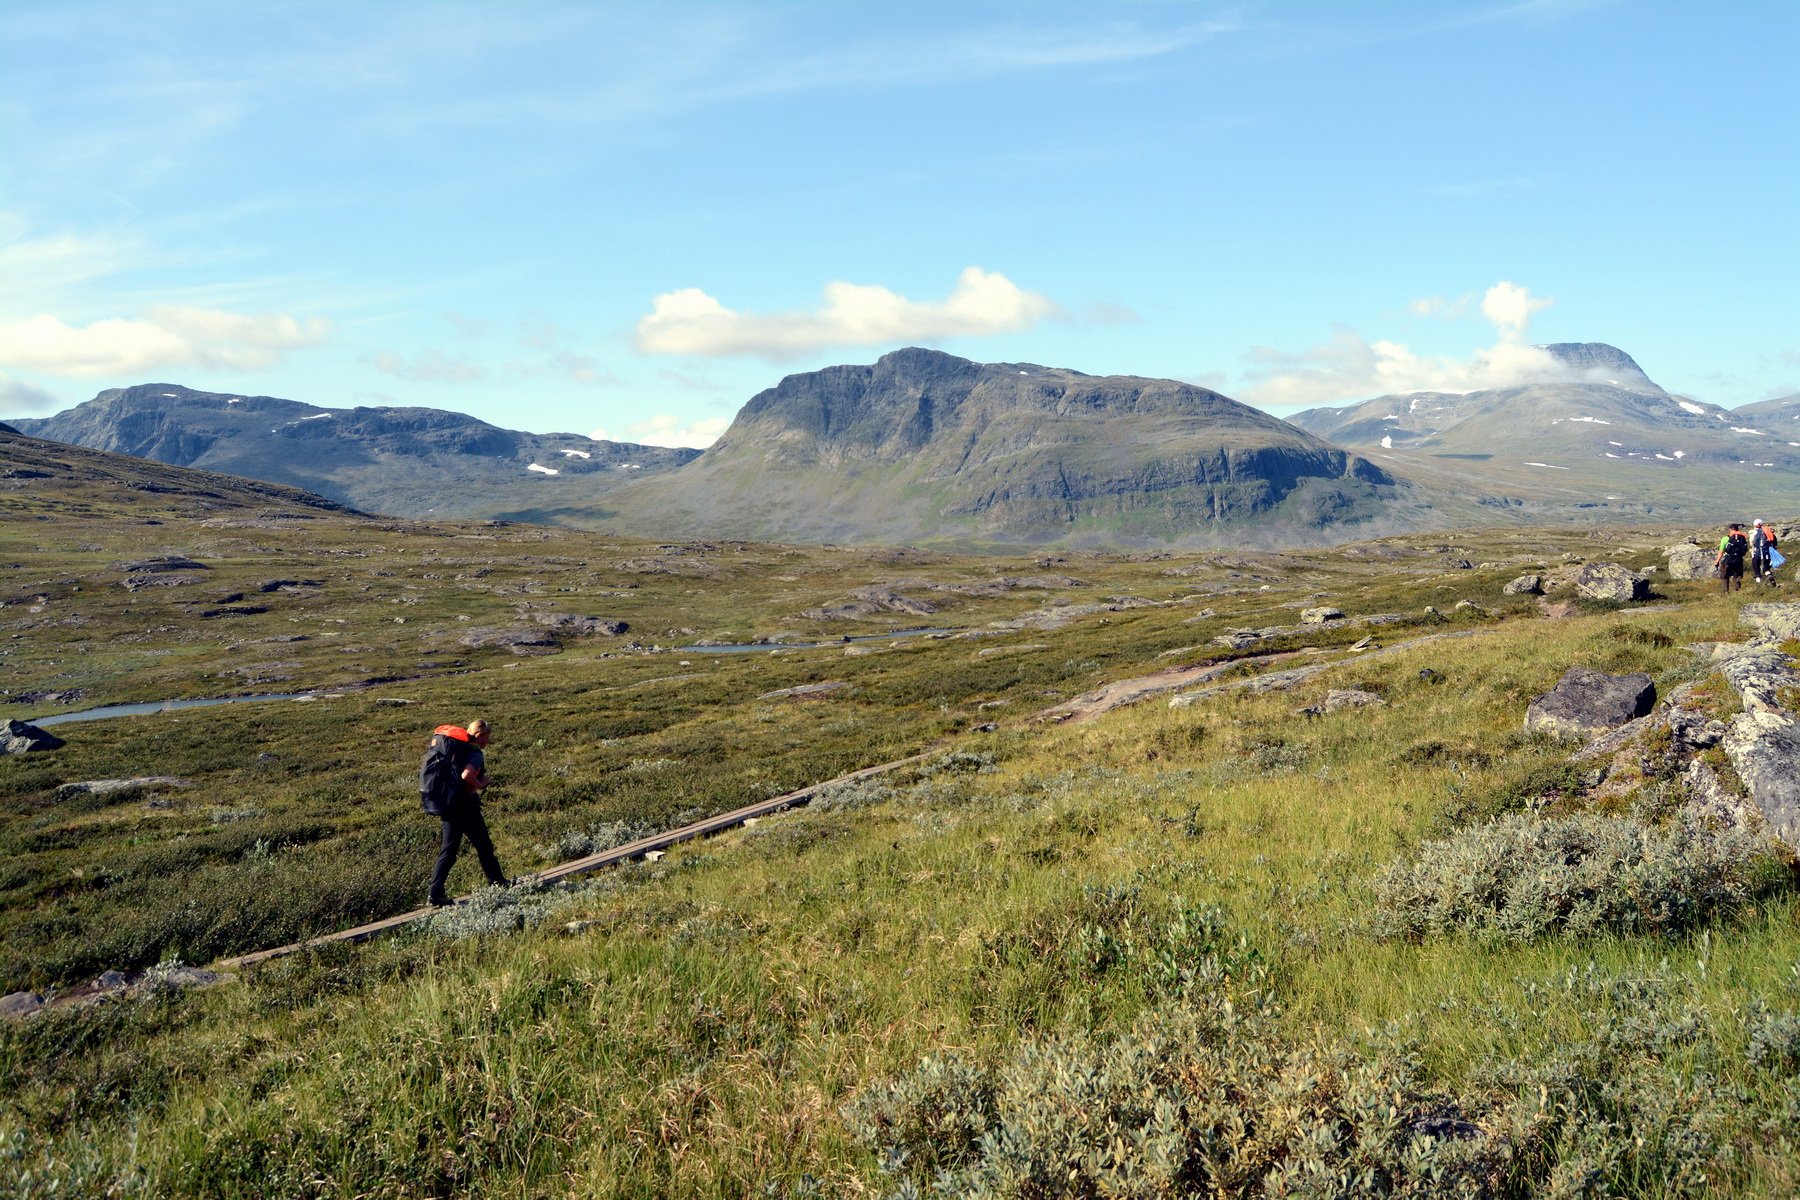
1775 414
1594 432
410 462
925 446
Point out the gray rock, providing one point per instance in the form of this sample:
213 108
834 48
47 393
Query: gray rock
519 641
1759 675
1585 701
580 626
17 737
808 691
1610 581
20 1004
112 981
1320 615
108 787
1764 748
1773 622
1338 698
1524 585
1688 561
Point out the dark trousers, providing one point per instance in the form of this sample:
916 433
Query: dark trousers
458 824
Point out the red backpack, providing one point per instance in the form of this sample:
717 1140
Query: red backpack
440 775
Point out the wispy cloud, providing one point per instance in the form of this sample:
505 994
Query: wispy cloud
18 398
1351 367
161 337
431 366
691 322
666 430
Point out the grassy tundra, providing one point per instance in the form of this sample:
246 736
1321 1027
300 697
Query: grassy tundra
1167 951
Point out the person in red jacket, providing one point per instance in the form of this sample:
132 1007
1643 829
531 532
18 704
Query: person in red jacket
462 819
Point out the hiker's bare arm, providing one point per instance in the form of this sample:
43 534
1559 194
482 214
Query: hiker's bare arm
474 778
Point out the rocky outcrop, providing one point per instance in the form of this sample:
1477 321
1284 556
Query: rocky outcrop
1610 581
1586 701
1524 585
17 737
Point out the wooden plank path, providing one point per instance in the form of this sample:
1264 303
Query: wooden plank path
593 862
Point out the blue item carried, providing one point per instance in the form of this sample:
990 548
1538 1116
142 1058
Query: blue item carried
1775 557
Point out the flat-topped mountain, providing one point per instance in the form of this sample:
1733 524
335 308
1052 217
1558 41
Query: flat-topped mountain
403 461
922 445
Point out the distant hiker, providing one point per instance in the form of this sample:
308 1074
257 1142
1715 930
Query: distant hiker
1733 548
451 781
1762 543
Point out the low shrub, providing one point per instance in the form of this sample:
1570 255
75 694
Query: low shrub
1524 877
1211 1097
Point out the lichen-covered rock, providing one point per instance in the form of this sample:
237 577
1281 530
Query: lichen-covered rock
1610 581
1585 701
1524 585
1320 615
1764 749
1688 561
17 737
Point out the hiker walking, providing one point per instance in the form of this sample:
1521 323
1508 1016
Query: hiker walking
451 781
1762 542
1734 547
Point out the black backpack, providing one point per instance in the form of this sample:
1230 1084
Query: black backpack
440 774
1735 546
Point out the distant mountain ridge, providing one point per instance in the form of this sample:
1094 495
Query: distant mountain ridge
1602 408
409 462
923 445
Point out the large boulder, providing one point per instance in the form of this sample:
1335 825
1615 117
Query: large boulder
1585 701
16 737
1688 561
1320 615
1610 581
1524 585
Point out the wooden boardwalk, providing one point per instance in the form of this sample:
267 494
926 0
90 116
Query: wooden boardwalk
593 862
1114 695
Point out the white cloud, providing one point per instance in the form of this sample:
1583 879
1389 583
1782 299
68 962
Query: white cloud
1350 367
1510 307
162 337
690 321
667 430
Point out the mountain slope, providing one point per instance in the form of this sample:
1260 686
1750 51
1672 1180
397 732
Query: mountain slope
922 445
404 461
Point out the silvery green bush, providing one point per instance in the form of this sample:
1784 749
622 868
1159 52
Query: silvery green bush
1524 877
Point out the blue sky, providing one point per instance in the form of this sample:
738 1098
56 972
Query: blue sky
625 219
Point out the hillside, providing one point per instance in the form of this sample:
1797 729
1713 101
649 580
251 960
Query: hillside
1317 903
924 446
412 462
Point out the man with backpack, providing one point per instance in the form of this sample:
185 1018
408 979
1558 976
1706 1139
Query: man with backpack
451 780
1762 543
1734 547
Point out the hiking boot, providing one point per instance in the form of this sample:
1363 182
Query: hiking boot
439 902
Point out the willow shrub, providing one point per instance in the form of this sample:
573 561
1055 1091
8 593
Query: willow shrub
1524 877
